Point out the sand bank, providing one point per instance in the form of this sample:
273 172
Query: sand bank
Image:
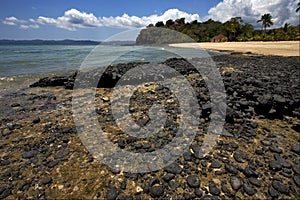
282 48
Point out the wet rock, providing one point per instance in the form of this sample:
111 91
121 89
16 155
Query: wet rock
235 182
193 181
156 191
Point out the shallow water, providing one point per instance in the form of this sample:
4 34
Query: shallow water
41 59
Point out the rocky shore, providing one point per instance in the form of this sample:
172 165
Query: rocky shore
42 155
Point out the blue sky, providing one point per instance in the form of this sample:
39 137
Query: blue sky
99 19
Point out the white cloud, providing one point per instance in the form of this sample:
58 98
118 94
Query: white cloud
73 19
137 22
282 11
12 21
22 26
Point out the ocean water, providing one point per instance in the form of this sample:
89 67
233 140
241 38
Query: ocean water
18 60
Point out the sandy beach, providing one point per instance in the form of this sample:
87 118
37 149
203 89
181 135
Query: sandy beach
283 48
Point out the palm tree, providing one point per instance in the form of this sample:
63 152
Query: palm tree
266 21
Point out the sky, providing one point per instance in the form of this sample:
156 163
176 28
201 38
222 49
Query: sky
100 19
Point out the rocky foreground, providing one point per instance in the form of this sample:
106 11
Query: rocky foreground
42 155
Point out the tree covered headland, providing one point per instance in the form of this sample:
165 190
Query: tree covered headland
234 29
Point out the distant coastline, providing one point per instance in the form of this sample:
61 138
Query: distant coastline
48 42
65 42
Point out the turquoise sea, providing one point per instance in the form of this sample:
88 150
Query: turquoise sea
42 59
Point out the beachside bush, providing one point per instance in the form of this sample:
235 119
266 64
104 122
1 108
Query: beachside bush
234 29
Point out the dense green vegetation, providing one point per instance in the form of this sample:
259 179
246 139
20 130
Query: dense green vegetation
234 29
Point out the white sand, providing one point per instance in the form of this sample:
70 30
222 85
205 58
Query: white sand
282 48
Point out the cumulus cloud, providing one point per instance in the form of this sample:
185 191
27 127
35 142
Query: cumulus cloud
22 26
283 11
12 21
73 19
137 22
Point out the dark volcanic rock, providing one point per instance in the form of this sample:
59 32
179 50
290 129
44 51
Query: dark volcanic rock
61 154
264 104
275 149
53 81
168 177
296 179
273 193
231 169
112 193
29 154
255 182
46 181
213 189
284 189
173 168
156 191
296 127
275 165
215 164
250 172
296 148
4 192
193 181
235 182
240 156
249 190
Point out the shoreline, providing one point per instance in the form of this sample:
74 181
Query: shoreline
43 155
280 48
